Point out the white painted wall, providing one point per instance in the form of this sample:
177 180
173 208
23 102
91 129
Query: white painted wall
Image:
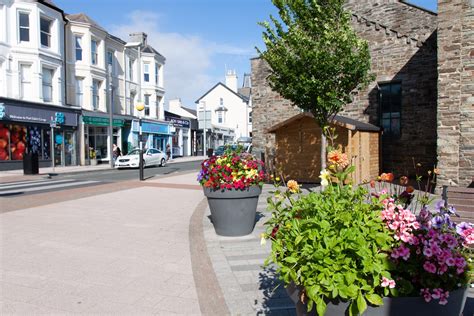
153 88
14 53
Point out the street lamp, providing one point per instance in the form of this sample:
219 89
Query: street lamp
140 106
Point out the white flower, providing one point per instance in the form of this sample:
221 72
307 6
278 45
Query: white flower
324 175
263 240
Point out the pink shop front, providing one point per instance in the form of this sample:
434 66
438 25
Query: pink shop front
25 127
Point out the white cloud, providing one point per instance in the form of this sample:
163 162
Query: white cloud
188 57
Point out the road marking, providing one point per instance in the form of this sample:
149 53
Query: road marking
6 184
32 183
48 187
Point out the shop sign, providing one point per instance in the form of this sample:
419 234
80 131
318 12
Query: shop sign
151 128
178 122
37 115
101 121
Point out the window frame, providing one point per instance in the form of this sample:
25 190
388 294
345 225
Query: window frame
80 91
394 109
96 83
94 52
111 54
147 104
22 82
48 85
20 27
76 48
49 34
146 72
220 117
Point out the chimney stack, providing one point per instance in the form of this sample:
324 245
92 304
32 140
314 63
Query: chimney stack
231 80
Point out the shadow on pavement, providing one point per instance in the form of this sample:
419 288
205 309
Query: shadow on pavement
275 300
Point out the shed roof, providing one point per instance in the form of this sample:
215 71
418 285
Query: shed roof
343 121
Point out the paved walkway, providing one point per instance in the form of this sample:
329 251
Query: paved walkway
148 249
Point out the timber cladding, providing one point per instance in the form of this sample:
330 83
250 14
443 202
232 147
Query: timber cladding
298 147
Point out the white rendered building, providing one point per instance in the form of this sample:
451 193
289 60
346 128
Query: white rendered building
32 86
180 120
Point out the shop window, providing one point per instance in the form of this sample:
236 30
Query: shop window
24 26
146 72
47 81
45 32
25 84
390 98
78 41
95 94
12 141
147 104
94 52
79 91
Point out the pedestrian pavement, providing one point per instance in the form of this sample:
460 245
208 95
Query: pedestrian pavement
149 249
17 175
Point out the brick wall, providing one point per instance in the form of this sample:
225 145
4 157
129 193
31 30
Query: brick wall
402 41
456 92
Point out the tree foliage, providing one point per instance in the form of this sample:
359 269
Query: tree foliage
315 56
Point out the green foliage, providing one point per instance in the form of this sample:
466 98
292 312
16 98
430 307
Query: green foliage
315 56
331 243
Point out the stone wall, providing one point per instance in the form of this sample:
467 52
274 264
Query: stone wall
456 92
402 41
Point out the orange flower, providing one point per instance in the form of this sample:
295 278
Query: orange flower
436 171
403 180
293 186
388 177
372 184
410 189
338 158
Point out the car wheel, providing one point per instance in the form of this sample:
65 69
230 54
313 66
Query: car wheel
163 162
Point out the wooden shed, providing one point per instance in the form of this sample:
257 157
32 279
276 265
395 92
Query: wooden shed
298 147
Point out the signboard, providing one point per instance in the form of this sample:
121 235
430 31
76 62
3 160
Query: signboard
36 114
151 128
178 122
204 120
101 121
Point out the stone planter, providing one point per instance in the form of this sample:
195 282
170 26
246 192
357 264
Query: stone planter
392 306
233 211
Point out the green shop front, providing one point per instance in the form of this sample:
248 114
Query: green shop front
95 144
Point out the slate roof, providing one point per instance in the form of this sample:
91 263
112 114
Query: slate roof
83 18
339 120
148 49
243 97
193 112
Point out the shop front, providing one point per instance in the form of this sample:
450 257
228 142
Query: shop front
96 136
181 140
154 134
27 127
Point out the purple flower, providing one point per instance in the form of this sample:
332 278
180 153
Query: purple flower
440 205
462 227
438 221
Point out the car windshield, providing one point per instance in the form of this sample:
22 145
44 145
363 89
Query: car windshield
134 152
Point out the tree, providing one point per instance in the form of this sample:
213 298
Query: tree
316 59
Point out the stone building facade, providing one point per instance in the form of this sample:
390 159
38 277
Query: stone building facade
456 92
402 40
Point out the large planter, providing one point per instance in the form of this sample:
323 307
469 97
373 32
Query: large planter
392 306
233 211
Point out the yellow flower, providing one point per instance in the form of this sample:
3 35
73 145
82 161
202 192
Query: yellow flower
293 186
277 178
325 176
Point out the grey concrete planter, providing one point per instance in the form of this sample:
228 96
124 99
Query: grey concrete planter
233 211
392 306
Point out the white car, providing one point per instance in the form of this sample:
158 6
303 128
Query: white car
151 157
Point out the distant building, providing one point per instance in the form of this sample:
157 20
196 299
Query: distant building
180 119
227 113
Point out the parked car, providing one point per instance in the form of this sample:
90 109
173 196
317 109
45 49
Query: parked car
221 149
151 157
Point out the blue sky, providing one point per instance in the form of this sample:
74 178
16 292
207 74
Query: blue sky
199 38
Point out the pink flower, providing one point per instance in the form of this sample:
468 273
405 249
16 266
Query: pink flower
427 251
450 262
426 294
429 267
443 299
387 282
460 262
437 293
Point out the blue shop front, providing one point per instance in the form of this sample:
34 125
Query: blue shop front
156 134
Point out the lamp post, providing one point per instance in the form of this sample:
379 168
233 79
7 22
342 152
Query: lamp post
110 104
140 106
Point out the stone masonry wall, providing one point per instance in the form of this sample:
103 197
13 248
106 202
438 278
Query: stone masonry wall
456 92
402 41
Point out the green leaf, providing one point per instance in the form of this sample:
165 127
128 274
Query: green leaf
320 306
298 239
361 303
291 260
374 299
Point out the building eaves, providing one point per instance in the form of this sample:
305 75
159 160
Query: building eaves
83 18
245 99
149 49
